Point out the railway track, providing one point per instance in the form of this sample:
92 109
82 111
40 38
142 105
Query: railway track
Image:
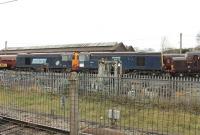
10 126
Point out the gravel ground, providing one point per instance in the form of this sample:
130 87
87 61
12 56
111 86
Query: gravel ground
9 128
41 119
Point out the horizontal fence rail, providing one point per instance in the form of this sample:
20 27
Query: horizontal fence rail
121 105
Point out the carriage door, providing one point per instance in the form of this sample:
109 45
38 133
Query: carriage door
196 62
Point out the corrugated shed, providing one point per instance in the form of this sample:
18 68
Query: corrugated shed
85 47
107 44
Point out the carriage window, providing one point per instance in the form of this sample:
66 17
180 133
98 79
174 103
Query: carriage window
27 61
140 61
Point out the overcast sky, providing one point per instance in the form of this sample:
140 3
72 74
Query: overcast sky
140 23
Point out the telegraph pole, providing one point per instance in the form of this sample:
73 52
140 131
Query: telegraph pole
6 43
181 43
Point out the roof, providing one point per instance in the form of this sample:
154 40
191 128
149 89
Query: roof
106 44
84 47
125 53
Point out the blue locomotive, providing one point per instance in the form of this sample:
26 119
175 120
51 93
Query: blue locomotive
131 61
44 62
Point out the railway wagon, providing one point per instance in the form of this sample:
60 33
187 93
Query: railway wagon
44 62
193 62
168 59
7 61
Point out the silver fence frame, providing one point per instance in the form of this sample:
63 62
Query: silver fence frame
91 104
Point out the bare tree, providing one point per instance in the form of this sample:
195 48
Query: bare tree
164 44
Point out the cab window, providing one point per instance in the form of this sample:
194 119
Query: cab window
27 61
66 57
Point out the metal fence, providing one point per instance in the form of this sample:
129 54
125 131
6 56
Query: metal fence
39 98
118 105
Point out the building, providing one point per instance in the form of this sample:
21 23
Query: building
87 47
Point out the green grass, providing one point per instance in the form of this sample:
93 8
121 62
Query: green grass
168 119
152 115
32 101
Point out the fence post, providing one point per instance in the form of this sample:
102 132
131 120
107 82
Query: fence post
73 89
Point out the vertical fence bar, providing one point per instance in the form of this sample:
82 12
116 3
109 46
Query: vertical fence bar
74 123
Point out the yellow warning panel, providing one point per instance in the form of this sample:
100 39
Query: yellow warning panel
3 65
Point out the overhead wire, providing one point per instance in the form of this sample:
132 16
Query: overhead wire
5 2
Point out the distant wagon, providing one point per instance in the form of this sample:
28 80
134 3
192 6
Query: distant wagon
193 62
168 59
179 66
7 61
